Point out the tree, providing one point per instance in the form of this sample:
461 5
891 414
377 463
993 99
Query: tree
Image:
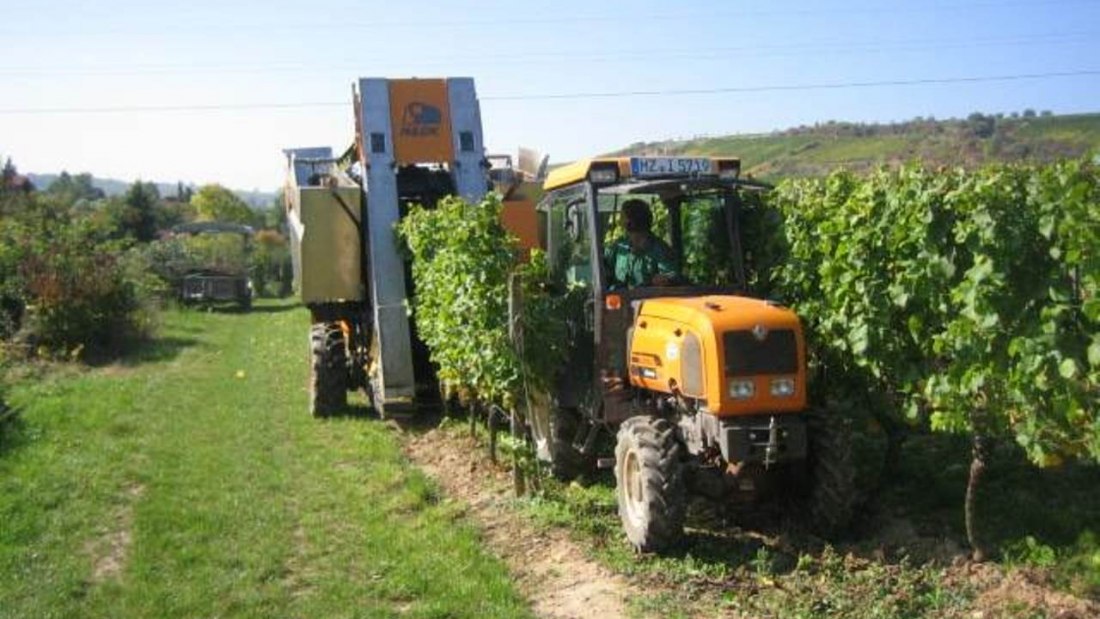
275 215
9 172
140 217
71 189
981 125
15 189
216 203
183 192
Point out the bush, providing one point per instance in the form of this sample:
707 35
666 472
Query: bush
964 301
85 296
461 261
968 299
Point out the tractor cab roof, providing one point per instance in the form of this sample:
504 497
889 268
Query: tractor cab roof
649 171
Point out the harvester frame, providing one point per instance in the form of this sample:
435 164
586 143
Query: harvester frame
416 141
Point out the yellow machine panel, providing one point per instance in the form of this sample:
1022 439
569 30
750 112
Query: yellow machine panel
709 347
520 218
420 116
330 247
577 171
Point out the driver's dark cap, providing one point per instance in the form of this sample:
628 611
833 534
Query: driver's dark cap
636 216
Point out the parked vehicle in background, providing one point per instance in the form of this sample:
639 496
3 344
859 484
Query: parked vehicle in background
220 259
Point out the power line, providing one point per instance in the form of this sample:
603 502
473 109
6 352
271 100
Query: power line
794 87
571 95
211 107
558 19
520 59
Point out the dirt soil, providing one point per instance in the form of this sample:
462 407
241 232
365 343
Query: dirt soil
112 549
549 569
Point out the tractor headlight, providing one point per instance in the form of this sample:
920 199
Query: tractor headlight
741 389
603 175
729 169
782 387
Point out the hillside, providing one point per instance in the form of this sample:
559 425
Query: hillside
978 139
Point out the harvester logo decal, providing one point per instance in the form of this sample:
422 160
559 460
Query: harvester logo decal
421 120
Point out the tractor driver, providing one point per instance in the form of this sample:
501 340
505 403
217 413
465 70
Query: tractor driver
639 258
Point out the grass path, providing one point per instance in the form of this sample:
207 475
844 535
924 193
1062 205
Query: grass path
192 483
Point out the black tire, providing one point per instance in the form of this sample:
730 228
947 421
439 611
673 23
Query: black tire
831 474
328 375
554 429
649 483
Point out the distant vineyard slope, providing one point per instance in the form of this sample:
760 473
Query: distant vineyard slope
970 142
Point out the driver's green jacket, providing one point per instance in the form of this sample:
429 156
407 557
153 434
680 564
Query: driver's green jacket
630 268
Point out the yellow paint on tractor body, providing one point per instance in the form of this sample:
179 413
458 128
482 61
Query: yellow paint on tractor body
697 346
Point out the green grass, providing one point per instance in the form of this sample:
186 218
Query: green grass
191 482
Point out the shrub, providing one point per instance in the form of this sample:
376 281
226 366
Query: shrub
966 301
461 261
84 295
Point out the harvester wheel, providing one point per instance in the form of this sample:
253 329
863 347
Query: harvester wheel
554 429
831 474
649 483
328 370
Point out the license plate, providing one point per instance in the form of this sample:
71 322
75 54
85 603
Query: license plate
669 166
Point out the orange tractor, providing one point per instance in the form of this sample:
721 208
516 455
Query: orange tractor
703 387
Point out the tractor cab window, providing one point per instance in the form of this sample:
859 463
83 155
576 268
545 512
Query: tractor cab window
568 240
693 221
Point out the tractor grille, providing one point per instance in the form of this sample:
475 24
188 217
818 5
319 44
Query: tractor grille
776 353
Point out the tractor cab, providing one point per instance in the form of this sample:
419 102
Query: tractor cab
694 205
584 202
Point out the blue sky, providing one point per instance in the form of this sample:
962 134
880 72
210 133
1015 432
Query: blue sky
83 58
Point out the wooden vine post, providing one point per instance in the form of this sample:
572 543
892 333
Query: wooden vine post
515 420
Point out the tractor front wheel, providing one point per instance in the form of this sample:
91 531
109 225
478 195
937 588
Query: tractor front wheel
649 480
328 369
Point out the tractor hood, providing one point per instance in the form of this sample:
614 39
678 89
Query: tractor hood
736 354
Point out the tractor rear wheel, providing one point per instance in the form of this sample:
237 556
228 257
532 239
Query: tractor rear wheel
328 369
554 429
649 483
831 474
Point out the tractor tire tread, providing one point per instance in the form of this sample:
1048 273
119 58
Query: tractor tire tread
832 475
328 384
660 456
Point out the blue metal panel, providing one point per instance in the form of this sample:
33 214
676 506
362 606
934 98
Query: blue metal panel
298 158
468 170
386 269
